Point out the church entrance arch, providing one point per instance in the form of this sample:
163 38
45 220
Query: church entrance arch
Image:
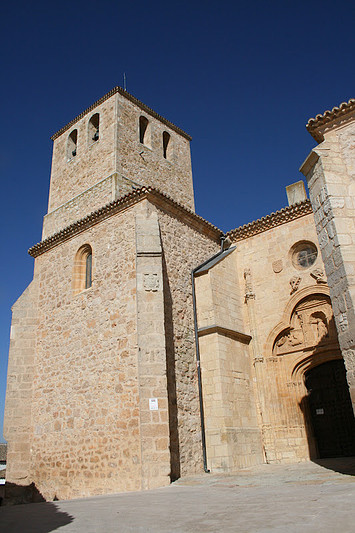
305 373
330 409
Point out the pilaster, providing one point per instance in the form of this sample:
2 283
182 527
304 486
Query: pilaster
154 423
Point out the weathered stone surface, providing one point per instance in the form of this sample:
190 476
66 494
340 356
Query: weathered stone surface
330 172
102 392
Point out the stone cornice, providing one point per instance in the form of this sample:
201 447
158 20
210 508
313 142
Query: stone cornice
132 99
315 125
271 221
227 332
153 195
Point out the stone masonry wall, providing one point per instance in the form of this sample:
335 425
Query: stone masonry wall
154 423
118 150
184 248
86 389
268 256
270 280
146 164
94 160
19 393
104 192
330 172
233 436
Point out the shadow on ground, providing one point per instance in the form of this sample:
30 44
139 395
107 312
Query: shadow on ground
343 465
39 518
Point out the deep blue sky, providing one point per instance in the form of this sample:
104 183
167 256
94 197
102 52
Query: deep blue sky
241 77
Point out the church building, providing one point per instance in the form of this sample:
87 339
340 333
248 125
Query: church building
150 345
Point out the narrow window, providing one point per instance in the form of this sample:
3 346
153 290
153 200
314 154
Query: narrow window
88 279
94 128
82 276
144 131
166 145
72 144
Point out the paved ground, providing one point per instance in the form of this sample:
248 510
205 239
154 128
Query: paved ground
305 497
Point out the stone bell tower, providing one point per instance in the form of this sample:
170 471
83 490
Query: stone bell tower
114 146
87 395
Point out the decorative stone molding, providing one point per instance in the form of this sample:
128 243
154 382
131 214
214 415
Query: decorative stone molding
278 218
249 294
132 99
277 266
295 283
311 327
295 299
319 275
306 363
161 200
150 282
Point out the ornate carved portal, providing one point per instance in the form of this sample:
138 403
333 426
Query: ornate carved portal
311 326
305 339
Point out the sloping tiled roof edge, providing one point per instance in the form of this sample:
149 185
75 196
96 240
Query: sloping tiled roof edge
122 203
328 116
271 221
132 99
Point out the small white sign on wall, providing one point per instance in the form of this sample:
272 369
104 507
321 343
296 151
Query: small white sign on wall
319 411
153 404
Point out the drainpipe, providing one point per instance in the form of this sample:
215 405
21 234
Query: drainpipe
198 359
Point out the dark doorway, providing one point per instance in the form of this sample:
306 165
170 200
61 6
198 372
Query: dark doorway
331 410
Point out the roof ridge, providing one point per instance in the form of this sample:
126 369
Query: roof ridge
134 100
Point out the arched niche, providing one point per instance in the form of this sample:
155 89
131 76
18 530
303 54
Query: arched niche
307 336
287 317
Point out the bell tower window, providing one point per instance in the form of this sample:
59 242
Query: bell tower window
72 144
94 128
166 145
144 131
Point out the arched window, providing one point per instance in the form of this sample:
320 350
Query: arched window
166 145
72 144
144 131
88 271
82 278
94 128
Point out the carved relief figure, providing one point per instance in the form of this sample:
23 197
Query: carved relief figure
319 326
319 275
295 282
311 323
287 341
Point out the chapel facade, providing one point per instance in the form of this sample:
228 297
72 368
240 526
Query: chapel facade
149 344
